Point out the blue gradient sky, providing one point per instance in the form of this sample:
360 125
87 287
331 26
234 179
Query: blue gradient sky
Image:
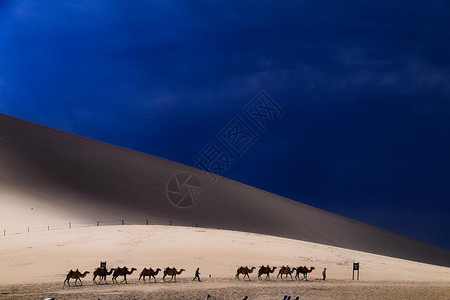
365 86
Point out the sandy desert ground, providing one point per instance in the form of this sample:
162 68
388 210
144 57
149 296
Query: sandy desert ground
34 265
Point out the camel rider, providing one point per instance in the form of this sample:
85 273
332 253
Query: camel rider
197 275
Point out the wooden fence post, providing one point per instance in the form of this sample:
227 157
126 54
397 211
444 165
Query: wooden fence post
123 223
147 221
98 223
70 225
48 228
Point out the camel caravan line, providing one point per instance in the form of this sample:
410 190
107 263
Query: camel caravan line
103 272
266 270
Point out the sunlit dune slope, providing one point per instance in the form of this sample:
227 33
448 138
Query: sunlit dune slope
50 177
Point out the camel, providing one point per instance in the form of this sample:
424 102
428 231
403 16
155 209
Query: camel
304 270
122 272
150 273
77 275
286 271
265 270
172 272
102 273
244 270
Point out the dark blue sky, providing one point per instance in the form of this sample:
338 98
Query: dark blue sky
365 86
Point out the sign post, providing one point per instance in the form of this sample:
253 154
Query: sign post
355 268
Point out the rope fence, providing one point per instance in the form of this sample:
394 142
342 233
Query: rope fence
71 225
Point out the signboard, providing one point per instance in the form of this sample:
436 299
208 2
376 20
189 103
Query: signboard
355 268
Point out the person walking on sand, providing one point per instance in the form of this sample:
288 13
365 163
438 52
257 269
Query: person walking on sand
197 275
324 273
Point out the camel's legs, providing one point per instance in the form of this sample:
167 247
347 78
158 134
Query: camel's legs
81 283
124 278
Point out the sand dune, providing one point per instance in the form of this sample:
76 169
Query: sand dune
47 256
34 265
47 174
